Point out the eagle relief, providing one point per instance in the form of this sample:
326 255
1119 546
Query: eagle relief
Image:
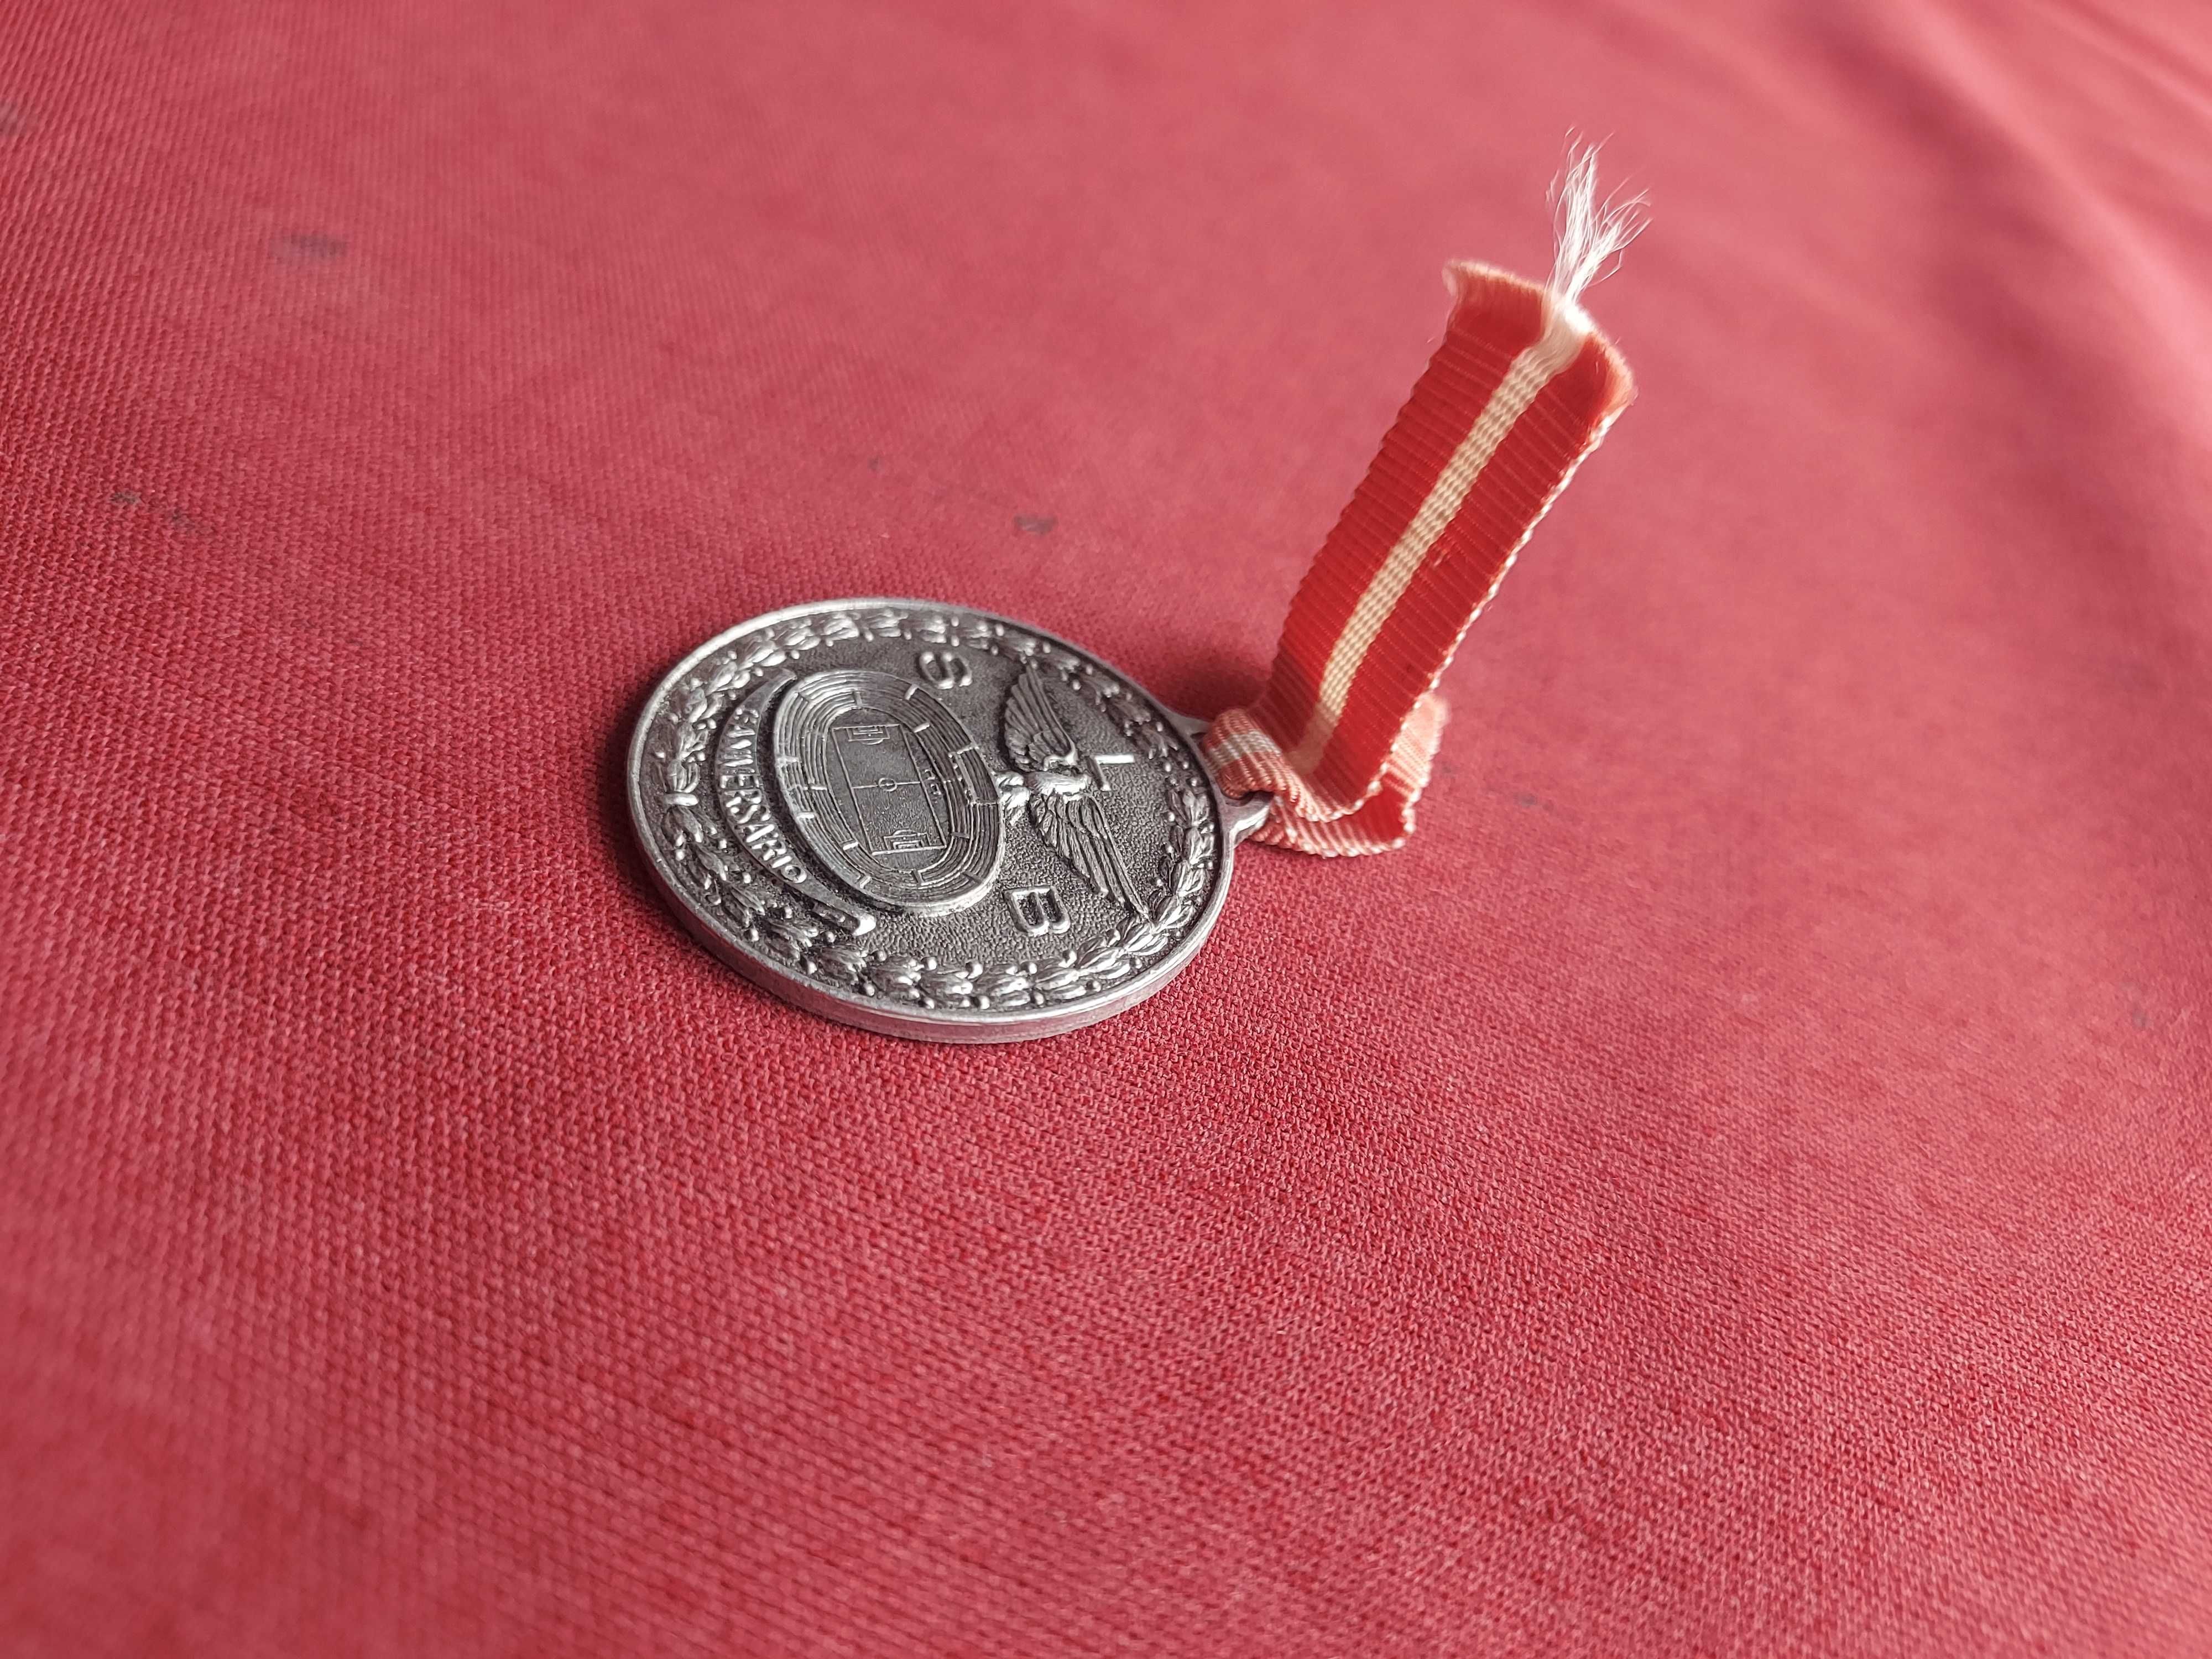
1061 786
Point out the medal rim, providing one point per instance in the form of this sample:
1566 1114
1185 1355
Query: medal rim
940 1024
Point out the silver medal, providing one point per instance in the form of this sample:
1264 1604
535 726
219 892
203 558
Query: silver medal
930 822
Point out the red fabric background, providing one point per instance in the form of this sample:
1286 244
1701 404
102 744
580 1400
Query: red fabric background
1737 1183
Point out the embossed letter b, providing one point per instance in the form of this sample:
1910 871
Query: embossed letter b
1038 910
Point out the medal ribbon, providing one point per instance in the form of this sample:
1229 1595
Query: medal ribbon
1523 388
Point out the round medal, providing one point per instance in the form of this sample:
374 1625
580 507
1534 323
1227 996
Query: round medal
930 822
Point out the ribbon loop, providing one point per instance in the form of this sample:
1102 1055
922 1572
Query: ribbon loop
1344 734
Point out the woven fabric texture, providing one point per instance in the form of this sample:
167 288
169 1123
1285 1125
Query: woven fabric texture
1734 1183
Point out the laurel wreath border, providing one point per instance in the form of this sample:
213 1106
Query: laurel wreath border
766 917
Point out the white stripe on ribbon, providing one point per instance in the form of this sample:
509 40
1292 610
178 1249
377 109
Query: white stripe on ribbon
1241 747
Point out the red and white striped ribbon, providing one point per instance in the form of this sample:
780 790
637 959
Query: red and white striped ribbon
1521 389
